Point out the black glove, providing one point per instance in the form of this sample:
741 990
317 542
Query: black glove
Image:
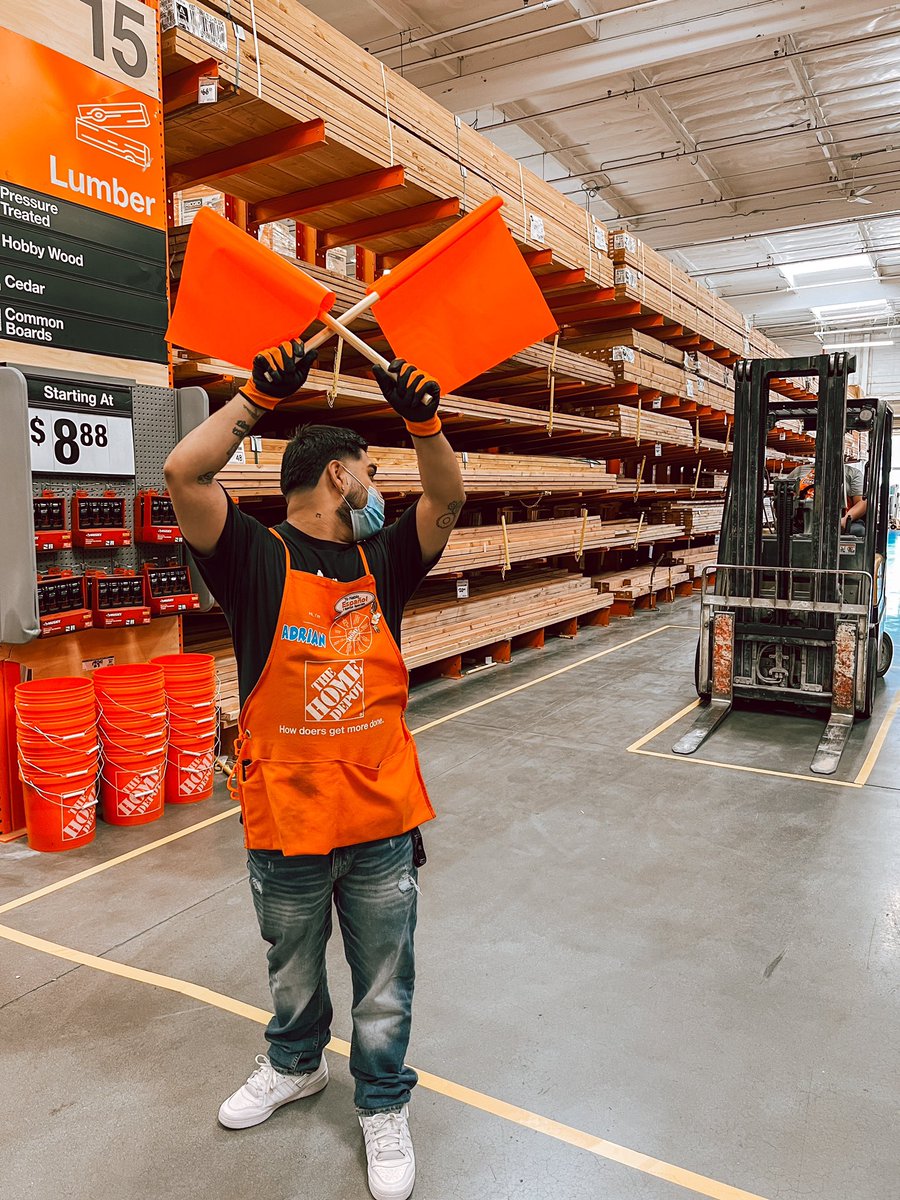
412 394
278 373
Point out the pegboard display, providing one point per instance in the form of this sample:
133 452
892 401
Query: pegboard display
154 436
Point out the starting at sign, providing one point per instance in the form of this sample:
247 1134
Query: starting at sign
78 428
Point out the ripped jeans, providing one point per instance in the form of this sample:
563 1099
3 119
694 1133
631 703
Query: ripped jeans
375 890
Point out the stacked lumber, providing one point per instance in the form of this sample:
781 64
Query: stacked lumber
697 517
634 582
308 70
670 290
695 558
437 626
398 472
493 546
483 421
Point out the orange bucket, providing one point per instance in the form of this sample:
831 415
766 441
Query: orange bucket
131 789
60 810
189 774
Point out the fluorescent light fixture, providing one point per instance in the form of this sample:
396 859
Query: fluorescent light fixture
818 266
857 345
850 307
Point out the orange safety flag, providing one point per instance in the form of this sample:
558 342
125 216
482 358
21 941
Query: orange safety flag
463 302
236 297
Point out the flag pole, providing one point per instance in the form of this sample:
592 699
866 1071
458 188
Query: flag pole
357 343
332 327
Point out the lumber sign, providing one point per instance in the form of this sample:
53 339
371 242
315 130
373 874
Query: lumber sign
82 178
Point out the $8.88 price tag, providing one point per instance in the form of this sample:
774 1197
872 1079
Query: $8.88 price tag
80 443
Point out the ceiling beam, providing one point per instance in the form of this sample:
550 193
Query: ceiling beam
637 39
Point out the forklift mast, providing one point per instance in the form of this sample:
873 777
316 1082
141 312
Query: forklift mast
793 610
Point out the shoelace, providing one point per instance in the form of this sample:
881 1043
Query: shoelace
263 1079
387 1132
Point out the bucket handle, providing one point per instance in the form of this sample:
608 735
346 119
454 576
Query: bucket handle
50 799
60 741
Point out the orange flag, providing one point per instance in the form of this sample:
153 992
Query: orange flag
237 297
463 302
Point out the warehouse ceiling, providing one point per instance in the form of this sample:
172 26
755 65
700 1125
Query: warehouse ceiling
756 142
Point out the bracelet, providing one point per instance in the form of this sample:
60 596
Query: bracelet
424 429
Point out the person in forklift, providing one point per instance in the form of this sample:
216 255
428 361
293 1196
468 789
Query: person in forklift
855 503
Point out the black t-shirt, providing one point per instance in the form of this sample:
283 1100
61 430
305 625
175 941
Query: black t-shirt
246 574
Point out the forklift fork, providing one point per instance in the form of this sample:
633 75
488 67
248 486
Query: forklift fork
711 717
840 721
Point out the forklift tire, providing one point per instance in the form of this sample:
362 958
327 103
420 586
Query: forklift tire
705 697
886 654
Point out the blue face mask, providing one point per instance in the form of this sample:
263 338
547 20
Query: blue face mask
370 518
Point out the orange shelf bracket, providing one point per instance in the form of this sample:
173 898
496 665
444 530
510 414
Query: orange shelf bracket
256 152
368 230
357 187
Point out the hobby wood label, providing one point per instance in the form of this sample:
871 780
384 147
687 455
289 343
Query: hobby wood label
82 178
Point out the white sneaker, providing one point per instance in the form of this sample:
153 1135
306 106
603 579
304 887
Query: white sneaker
389 1150
266 1090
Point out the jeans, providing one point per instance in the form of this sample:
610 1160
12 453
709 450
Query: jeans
375 890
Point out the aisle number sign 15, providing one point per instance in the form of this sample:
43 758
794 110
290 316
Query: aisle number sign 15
117 38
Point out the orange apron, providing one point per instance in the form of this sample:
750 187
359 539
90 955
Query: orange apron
324 756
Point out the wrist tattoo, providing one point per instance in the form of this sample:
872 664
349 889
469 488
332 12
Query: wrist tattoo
448 519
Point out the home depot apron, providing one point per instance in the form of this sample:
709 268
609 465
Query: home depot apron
324 756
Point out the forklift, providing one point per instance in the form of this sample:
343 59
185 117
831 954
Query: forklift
793 611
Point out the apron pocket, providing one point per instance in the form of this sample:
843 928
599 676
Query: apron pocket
320 805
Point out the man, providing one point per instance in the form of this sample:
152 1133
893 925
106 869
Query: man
327 772
855 503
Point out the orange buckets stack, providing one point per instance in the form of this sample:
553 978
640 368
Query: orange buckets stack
190 685
56 731
132 706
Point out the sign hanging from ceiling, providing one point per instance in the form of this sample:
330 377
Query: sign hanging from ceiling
82 178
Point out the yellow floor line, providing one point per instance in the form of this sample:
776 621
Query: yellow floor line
880 737
541 679
691 760
648 737
688 759
701 1185
113 862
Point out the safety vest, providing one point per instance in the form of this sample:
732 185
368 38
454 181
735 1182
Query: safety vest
324 755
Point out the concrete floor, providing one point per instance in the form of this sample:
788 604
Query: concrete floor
695 963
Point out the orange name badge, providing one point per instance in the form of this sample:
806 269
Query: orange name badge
79 136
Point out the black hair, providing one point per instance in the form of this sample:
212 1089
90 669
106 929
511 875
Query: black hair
310 451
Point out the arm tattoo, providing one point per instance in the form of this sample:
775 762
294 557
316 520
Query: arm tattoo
448 519
207 478
241 428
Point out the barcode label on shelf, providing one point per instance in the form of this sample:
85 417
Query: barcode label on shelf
625 241
627 276
535 228
690 389
600 239
622 354
657 450
462 589
657 403
181 14
208 90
